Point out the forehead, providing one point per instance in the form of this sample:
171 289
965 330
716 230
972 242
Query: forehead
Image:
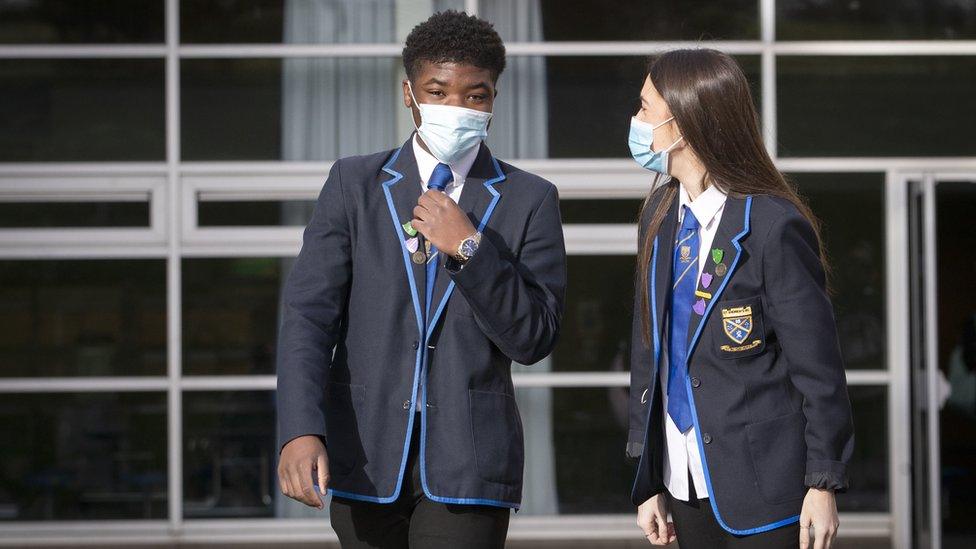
453 73
648 91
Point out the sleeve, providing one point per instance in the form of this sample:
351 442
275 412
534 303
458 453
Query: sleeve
641 363
313 304
518 302
802 318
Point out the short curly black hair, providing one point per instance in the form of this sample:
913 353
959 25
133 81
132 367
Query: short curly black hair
456 37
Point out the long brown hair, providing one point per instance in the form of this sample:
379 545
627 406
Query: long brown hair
709 97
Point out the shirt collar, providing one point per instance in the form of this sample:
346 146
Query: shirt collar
705 206
426 163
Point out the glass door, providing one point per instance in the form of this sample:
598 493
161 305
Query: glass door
942 269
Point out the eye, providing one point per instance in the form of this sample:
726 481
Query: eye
477 98
436 93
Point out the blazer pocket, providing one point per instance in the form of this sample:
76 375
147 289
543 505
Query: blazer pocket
497 436
344 412
779 455
739 329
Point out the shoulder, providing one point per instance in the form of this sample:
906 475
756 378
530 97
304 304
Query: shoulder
530 186
771 215
362 166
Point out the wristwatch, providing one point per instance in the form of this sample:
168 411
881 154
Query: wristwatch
467 248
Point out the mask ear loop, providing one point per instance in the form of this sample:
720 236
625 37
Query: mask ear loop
415 104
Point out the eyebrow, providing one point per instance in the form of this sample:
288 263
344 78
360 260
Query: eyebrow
478 85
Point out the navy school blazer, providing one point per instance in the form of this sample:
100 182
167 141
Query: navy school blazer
356 348
767 383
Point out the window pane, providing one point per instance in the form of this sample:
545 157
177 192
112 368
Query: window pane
868 469
876 106
229 456
574 451
323 109
595 332
83 456
73 22
83 318
341 21
903 20
254 213
589 210
850 207
525 20
230 314
81 110
73 214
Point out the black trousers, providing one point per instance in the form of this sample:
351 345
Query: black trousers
413 521
695 527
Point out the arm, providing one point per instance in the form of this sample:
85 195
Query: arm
797 301
519 301
641 364
313 304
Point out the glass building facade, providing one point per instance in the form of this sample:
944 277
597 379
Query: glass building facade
159 158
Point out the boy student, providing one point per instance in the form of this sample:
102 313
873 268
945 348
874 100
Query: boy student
425 271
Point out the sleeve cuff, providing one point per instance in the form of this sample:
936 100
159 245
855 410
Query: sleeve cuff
827 475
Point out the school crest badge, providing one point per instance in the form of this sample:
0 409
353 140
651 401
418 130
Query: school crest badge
737 322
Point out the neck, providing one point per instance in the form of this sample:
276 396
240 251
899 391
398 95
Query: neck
692 178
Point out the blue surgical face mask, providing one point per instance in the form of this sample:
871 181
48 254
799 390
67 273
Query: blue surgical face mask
640 141
450 131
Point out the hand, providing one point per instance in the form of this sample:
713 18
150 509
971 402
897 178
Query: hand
302 458
441 221
652 518
820 511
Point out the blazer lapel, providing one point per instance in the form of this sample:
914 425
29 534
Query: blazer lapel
662 274
402 192
720 263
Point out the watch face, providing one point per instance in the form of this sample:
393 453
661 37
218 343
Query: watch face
469 247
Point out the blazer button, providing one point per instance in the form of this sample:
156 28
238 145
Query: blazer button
695 382
406 404
707 438
416 345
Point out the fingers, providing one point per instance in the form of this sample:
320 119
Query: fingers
322 466
662 528
422 213
431 199
819 537
804 532
296 481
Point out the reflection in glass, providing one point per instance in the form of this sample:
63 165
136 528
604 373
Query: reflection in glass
338 21
850 207
74 214
83 318
83 456
876 106
627 20
610 210
73 22
229 456
81 110
868 468
230 314
902 20
595 331
254 213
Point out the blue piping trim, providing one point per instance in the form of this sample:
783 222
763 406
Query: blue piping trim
397 176
657 344
433 322
694 410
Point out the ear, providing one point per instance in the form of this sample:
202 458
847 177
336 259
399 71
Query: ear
407 100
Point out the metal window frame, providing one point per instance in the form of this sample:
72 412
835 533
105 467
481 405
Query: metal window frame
174 186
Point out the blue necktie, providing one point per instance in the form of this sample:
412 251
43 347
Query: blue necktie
439 179
684 277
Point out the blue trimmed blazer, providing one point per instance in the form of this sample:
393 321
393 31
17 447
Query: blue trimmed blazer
767 383
355 351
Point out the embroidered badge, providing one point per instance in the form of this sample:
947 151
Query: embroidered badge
737 323
685 254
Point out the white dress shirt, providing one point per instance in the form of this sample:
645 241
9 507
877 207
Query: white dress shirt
681 449
426 163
